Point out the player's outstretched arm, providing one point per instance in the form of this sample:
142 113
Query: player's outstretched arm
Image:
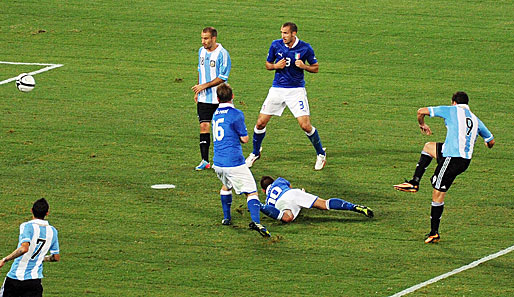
17 252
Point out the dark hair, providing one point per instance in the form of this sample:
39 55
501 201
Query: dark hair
266 181
40 208
460 98
291 26
210 30
224 92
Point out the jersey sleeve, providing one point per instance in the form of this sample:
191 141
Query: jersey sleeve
225 65
26 232
239 124
310 56
484 132
272 54
54 248
439 111
199 58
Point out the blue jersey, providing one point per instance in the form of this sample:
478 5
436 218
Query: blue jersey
276 190
291 76
462 130
210 66
42 238
228 125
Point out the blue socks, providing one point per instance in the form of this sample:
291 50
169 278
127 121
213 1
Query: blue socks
226 202
258 136
254 206
272 211
316 141
340 204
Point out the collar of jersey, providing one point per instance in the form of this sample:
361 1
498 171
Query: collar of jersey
40 222
218 48
465 106
295 43
225 104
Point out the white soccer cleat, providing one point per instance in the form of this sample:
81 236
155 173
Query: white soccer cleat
252 158
321 160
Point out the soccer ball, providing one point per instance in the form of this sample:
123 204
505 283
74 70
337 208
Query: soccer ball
25 82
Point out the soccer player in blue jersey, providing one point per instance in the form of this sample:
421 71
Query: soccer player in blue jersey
284 203
453 156
229 131
288 57
37 238
213 69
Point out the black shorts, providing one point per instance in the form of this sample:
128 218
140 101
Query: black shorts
205 111
447 169
26 288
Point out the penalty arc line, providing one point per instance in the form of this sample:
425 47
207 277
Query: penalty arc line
48 67
458 270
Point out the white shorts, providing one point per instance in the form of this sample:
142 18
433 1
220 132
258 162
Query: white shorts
295 200
279 98
239 178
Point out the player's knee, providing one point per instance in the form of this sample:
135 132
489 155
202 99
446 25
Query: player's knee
205 127
307 127
260 125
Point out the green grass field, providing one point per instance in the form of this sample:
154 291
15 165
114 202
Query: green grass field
119 116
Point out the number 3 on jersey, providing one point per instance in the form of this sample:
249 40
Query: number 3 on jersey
217 130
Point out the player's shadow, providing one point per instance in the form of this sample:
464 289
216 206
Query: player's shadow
306 219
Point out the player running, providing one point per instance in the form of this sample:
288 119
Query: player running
284 203
453 156
36 239
287 57
229 131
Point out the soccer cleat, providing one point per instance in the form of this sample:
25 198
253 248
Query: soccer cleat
364 210
260 228
432 238
321 160
407 186
252 158
203 165
226 222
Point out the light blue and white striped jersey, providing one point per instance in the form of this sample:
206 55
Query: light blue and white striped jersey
211 65
276 190
228 125
42 238
462 129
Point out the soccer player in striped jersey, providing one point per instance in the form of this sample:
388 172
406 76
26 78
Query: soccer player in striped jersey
229 131
288 57
37 238
284 203
213 69
453 156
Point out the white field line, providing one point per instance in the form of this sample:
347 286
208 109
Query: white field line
48 67
443 276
